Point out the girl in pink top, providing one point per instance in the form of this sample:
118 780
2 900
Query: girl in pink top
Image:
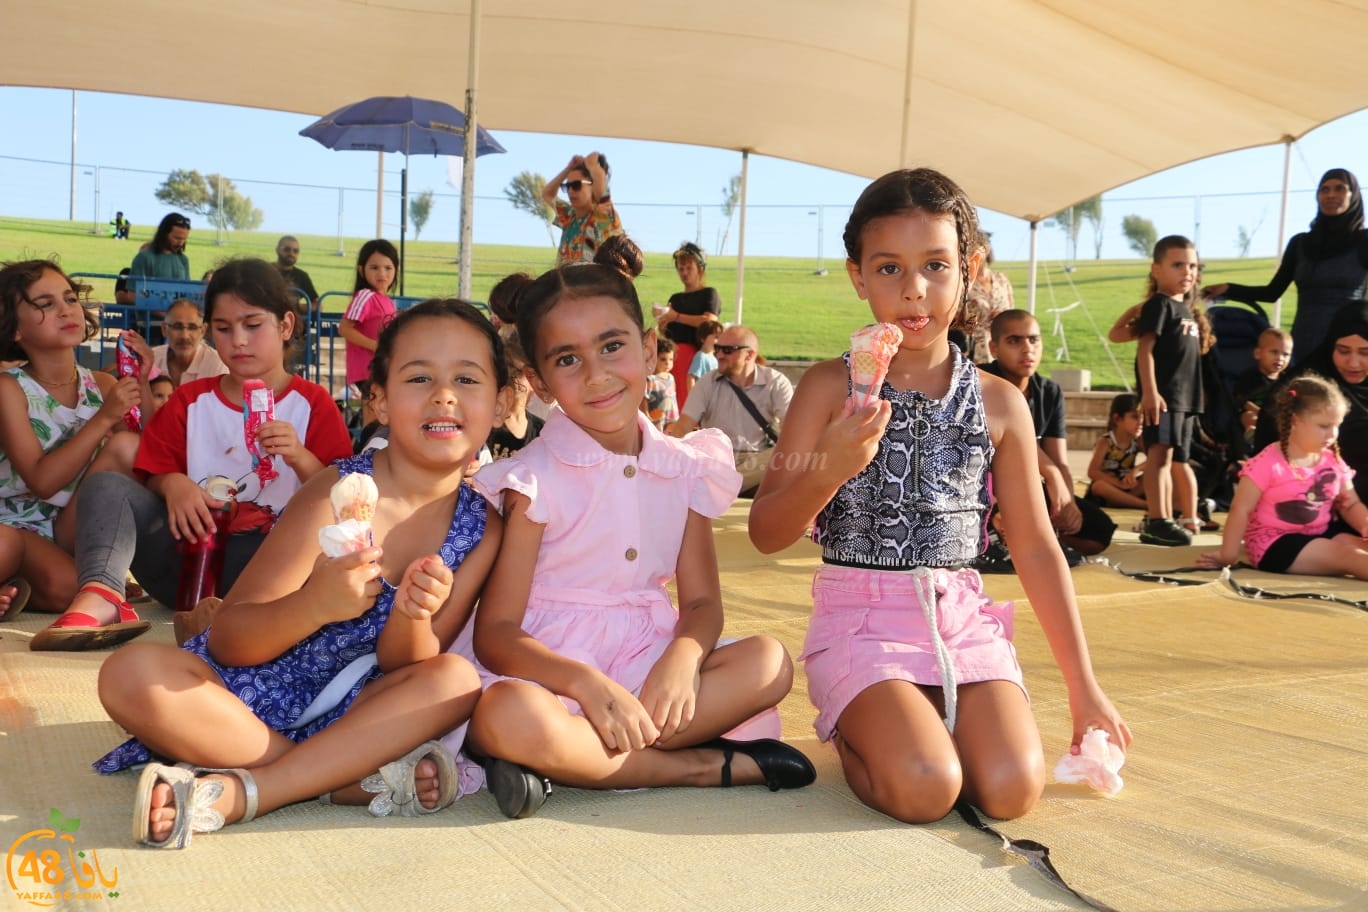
1285 506
594 678
377 267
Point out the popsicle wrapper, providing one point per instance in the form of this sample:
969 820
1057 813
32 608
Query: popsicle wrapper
1098 764
354 498
258 407
127 363
871 351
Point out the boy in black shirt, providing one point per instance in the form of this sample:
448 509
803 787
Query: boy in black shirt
1168 362
1015 345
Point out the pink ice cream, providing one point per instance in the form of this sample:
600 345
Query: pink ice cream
871 351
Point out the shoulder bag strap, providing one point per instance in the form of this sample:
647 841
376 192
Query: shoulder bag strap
765 426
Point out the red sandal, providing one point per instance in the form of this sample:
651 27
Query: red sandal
77 631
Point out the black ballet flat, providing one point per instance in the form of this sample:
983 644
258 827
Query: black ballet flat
520 793
783 767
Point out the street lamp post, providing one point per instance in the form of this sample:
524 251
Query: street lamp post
821 269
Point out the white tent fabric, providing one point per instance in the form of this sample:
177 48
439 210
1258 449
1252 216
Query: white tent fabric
1030 105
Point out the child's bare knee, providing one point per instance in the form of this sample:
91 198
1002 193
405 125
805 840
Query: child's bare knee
1008 790
917 791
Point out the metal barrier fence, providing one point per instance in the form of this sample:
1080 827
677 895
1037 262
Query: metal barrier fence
1222 224
321 350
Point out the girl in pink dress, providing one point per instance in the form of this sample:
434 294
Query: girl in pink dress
1295 509
593 678
377 269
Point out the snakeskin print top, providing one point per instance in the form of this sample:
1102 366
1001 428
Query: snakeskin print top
924 499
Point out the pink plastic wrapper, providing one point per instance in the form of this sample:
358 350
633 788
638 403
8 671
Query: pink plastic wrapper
127 364
1098 763
258 407
871 351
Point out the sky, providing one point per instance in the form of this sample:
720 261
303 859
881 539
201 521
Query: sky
666 193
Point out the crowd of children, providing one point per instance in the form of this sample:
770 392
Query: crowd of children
584 534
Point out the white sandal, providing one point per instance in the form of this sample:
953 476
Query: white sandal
394 787
194 800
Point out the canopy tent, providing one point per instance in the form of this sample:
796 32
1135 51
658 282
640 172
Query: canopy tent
1031 105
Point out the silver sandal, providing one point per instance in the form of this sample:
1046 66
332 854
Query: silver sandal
194 800
394 788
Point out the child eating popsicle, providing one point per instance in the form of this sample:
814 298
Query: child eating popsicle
199 435
911 667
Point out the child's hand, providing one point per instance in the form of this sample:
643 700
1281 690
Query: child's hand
1214 560
138 345
341 588
850 442
1091 709
279 438
620 720
670 693
424 588
189 508
1152 405
122 396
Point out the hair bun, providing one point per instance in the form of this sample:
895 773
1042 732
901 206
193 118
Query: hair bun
504 297
621 253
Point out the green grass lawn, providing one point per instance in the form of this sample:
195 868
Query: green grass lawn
798 315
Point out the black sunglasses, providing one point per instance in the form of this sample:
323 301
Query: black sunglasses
730 349
574 184
180 221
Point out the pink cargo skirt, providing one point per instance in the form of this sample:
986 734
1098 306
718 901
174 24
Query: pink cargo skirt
868 626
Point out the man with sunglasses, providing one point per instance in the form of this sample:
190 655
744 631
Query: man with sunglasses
745 400
164 257
587 216
287 255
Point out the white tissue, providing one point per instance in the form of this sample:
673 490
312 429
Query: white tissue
346 537
1097 763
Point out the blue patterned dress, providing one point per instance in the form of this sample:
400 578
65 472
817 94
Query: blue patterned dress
279 692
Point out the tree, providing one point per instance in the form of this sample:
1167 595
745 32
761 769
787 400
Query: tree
1070 220
731 197
1243 239
420 207
200 193
1140 234
1092 214
524 192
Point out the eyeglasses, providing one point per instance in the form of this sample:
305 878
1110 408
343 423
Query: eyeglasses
180 221
574 184
184 327
730 349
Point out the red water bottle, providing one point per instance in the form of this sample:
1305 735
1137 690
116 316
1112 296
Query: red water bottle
202 561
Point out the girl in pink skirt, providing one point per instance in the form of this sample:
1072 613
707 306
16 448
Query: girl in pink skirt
911 667
594 678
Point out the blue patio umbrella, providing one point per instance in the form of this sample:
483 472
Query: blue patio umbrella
413 126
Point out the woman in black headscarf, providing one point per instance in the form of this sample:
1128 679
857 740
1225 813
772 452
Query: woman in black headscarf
1329 263
1342 359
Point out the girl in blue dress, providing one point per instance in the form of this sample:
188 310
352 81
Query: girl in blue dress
317 671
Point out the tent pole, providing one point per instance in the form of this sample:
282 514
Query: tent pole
741 237
904 152
1031 276
1282 216
380 195
468 162
403 219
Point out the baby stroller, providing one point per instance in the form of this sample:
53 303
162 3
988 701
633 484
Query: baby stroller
1220 444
